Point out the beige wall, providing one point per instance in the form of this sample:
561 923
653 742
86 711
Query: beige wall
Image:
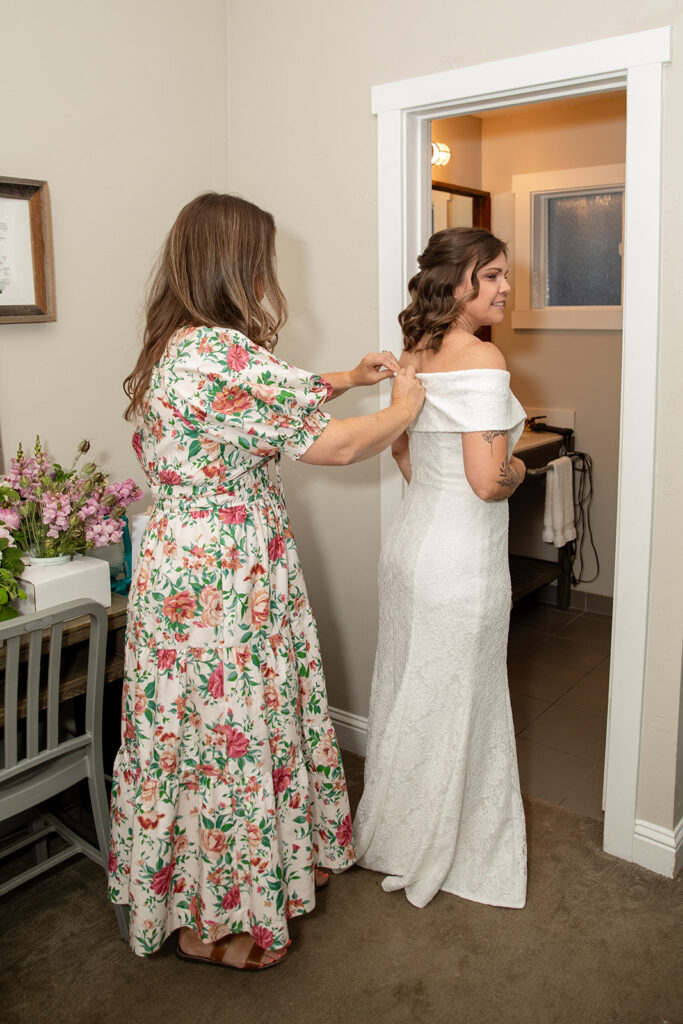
123 111
578 370
122 108
463 137
306 149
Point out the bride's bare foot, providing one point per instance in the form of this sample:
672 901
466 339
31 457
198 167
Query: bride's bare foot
238 951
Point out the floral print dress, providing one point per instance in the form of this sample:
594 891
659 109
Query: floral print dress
228 787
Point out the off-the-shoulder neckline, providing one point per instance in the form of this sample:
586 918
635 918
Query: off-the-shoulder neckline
449 373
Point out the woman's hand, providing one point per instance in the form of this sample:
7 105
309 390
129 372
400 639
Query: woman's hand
345 441
408 391
374 367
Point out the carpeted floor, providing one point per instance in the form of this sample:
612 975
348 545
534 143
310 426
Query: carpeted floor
599 942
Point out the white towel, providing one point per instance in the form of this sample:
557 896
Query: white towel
558 515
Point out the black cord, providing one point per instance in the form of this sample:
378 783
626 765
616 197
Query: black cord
583 490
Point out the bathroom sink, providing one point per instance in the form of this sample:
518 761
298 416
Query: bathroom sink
531 439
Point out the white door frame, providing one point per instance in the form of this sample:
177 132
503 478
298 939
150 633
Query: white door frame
404 111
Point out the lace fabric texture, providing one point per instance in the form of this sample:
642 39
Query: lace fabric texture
442 807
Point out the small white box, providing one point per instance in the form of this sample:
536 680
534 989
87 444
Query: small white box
48 585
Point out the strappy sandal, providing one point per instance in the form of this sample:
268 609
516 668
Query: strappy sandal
215 957
324 883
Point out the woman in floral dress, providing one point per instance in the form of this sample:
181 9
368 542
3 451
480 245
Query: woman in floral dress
229 791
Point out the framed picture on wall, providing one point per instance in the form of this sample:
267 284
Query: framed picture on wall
27 288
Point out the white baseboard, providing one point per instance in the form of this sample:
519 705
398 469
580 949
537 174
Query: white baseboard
659 849
351 730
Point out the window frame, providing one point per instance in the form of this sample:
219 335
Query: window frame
526 187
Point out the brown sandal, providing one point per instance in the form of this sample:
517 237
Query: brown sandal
215 957
325 882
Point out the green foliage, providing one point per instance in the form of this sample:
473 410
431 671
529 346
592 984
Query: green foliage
11 567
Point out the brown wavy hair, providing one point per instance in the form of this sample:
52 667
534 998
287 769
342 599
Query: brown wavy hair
443 266
216 267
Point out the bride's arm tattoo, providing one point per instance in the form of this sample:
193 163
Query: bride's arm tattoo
507 478
488 436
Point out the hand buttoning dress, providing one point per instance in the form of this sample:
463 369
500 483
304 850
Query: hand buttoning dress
442 807
228 787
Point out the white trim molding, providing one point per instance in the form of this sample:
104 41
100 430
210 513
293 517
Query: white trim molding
351 730
404 113
659 849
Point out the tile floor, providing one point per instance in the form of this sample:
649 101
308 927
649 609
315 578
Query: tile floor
558 669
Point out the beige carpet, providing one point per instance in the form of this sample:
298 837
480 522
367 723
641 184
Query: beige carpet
599 942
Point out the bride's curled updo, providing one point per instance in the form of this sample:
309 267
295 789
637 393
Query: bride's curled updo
443 266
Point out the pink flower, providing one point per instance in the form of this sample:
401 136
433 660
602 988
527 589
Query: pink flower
6 535
169 476
166 658
113 862
259 606
281 779
263 937
231 898
254 835
213 841
327 750
10 517
148 821
179 607
137 446
212 607
276 548
142 581
345 831
264 392
272 697
237 743
168 760
161 881
149 791
233 514
237 358
231 401
216 682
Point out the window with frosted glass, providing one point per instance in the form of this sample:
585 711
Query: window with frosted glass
577 247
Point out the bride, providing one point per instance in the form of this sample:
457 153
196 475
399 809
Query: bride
442 807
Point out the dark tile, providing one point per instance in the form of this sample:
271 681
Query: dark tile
546 773
544 680
526 709
559 650
591 629
522 641
591 694
585 797
541 618
574 732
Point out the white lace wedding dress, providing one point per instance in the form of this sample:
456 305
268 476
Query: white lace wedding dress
442 807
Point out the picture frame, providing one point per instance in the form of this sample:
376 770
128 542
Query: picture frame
27 281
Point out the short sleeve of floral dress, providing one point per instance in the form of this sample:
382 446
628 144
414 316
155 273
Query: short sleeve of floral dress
228 787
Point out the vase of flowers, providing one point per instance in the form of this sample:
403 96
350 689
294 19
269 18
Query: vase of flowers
54 513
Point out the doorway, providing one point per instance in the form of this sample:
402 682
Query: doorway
404 111
502 160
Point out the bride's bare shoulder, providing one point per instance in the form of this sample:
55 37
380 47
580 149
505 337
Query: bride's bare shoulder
483 355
